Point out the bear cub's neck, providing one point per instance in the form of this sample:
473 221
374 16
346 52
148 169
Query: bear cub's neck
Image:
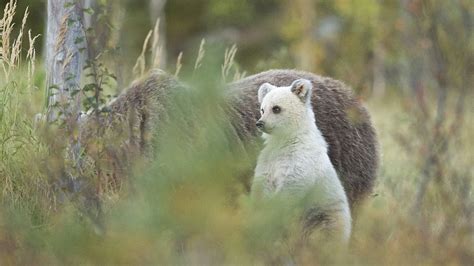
307 134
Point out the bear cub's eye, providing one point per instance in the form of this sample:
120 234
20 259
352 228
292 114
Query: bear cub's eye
276 109
261 110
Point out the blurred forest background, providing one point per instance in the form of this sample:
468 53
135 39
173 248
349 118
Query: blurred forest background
411 61
372 45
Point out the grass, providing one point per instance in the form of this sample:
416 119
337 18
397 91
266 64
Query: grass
188 206
22 183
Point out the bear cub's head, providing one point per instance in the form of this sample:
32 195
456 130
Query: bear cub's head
285 109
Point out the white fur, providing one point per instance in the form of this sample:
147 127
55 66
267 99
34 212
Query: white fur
294 159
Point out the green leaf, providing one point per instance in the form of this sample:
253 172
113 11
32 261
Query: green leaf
90 87
89 11
70 21
74 93
78 40
68 4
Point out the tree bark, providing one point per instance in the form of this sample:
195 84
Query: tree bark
65 53
65 44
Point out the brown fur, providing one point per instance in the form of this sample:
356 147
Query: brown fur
113 140
343 121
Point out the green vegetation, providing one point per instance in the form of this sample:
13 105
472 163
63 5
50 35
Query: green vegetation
412 65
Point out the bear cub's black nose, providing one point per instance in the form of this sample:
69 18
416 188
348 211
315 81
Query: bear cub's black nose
260 124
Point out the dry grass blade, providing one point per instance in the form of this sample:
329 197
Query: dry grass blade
156 48
31 57
6 28
200 55
239 75
179 64
61 39
15 55
140 65
10 52
229 56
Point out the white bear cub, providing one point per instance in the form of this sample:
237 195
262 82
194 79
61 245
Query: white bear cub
294 161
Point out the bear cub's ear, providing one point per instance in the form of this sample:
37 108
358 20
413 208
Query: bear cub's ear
302 88
263 90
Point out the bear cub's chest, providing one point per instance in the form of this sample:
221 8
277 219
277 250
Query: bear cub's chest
279 169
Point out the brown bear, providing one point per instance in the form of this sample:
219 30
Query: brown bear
341 118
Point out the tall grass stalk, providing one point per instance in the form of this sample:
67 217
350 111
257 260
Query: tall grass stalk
23 183
155 49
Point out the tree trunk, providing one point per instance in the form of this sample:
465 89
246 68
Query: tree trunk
65 44
65 58
89 18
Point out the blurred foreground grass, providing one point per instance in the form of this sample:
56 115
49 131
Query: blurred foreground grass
188 206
